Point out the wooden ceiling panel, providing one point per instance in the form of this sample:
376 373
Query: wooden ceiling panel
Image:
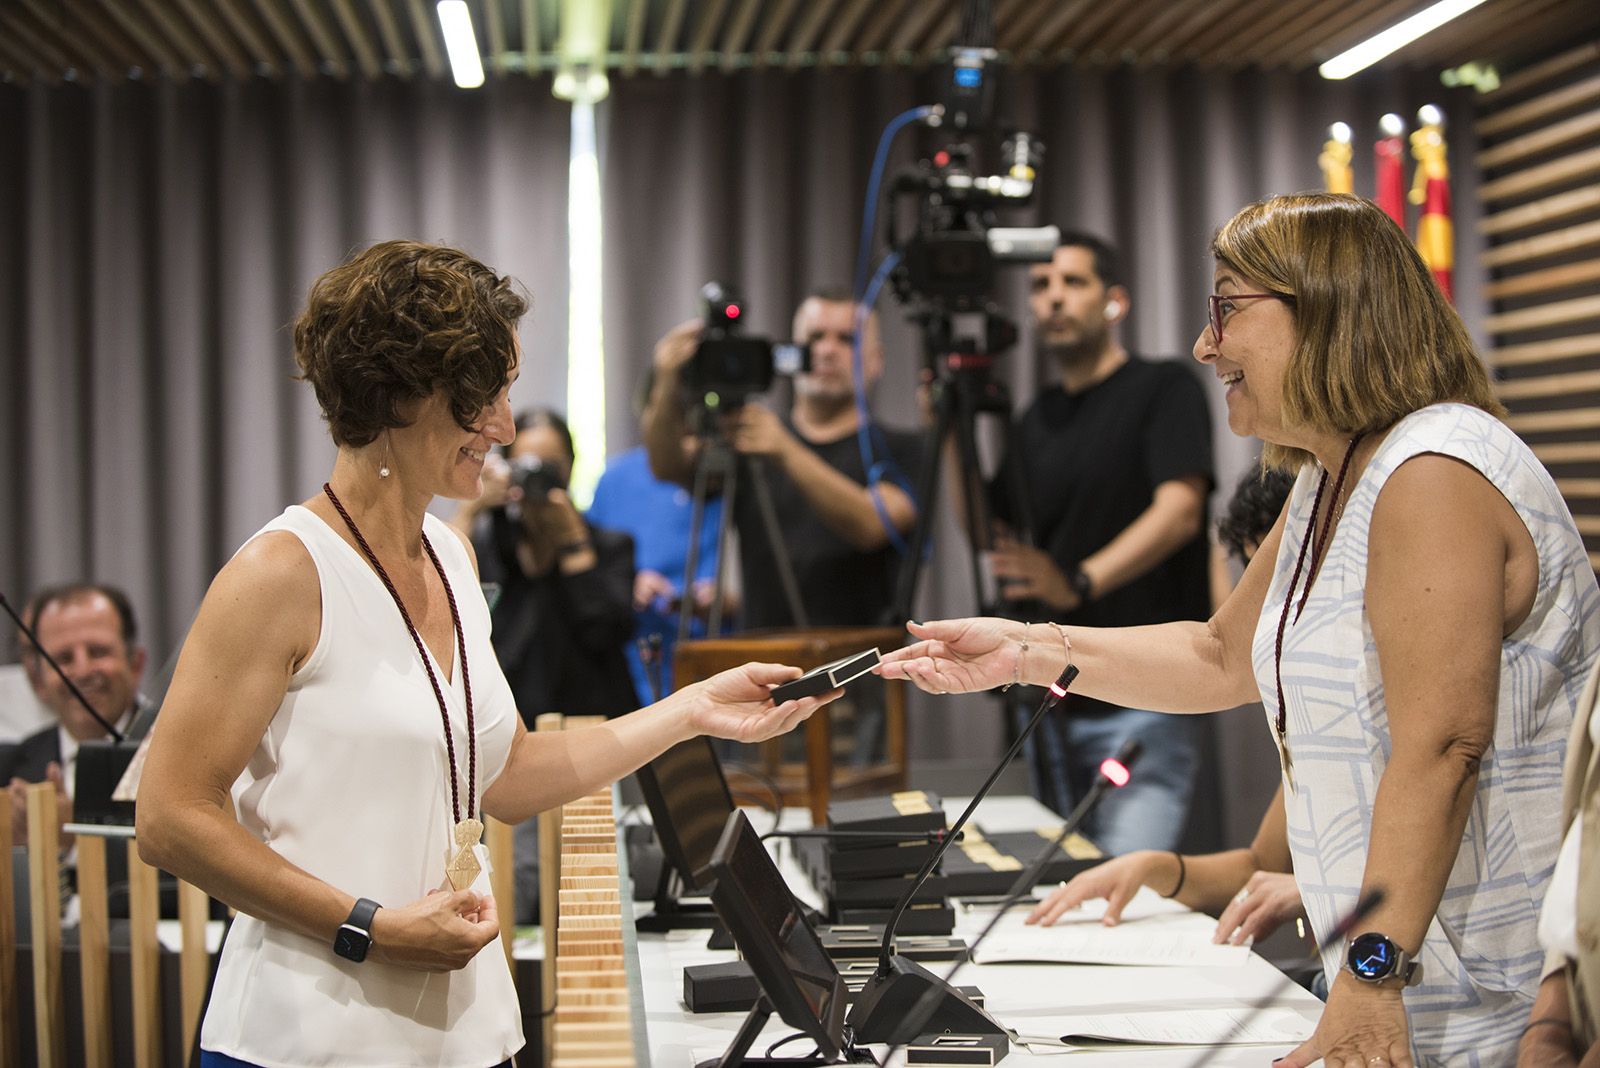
373 39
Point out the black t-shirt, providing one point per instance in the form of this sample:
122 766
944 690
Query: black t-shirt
1091 462
839 584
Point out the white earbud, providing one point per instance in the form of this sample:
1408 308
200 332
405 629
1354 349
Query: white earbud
1113 309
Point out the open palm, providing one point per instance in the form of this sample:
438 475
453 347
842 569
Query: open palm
737 703
957 655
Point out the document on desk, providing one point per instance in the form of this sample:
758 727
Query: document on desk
1193 1027
1146 945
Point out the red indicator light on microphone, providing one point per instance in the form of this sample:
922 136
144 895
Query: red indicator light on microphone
1116 774
941 159
1059 690
733 311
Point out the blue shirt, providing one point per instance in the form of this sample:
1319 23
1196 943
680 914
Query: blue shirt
630 498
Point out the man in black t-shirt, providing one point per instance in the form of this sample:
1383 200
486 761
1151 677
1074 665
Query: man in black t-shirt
1116 460
835 520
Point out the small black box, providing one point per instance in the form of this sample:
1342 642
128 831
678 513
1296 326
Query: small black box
880 861
986 1050
907 812
886 893
931 918
727 987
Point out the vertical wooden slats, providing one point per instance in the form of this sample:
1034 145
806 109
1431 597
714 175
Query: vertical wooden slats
705 31
94 951
282 28
394 49
217 39
144 957
498 839
194 963
10 1023
332 56
423 25
254 37
44 889
359 39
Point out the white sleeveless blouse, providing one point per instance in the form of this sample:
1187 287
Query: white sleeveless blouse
351 783
1481 957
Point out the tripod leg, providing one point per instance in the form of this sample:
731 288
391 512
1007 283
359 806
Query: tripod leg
730 497
691 563
927 501
974 493
780 548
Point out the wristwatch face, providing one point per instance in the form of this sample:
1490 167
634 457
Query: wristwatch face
1372 956
351 943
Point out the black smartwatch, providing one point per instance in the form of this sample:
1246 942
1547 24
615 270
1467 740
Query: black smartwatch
1080 585
1372 958
354 937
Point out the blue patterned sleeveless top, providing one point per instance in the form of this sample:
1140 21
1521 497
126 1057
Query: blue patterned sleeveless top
1481 958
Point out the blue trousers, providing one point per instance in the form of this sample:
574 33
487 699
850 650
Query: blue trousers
1064 758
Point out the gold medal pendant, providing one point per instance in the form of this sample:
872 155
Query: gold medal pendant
463 868
1286 762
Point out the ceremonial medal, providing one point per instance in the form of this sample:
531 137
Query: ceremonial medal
463 868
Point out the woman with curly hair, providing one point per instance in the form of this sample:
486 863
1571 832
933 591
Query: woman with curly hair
1418 624
338 724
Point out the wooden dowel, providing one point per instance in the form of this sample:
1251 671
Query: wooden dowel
94 951
1549 385
44 891
1537 422
194 963
1542 212
1568 452
500 840
144 953
10 1023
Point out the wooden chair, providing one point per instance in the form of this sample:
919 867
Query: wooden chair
816 780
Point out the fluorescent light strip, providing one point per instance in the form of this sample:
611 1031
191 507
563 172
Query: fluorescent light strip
466 66
586 355
1394 38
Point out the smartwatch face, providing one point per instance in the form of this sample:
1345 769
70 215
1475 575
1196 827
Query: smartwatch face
351 944
1372 956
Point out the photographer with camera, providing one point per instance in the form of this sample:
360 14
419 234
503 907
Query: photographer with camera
565 608
835 536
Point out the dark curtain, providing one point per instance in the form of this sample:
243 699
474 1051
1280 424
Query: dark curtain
758 179
156 241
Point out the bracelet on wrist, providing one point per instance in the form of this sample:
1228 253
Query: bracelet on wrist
1022 653
1183 873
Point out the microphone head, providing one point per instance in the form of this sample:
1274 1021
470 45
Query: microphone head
1131 750
1058 689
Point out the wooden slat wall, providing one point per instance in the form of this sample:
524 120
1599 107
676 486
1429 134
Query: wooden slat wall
1540 158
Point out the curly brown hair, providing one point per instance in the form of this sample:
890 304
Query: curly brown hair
398 322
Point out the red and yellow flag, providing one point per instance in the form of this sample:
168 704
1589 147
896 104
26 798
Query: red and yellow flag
1388 153
1431 189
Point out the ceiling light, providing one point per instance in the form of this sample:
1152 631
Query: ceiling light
1394 38
466 66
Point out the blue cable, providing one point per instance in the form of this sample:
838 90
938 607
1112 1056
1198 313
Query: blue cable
874 179
885 469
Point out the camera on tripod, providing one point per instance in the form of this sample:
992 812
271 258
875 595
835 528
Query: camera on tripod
729 367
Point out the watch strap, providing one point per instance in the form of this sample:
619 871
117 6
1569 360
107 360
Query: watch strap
361 915
1079 581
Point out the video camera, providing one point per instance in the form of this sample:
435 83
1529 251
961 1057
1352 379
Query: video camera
727 367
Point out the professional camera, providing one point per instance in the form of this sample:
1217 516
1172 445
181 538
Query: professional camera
535 478
728 367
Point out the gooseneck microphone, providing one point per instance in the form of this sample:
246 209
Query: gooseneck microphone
33 638
880 1012
1114 774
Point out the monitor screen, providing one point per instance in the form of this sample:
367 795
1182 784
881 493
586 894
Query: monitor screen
689 804
794 970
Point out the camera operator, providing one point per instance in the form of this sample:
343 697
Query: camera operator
565 608
1116 458
841 553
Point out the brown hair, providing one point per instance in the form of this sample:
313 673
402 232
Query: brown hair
398 322
1375 339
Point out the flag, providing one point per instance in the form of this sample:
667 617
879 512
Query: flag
1390 170
1335 160
1431 189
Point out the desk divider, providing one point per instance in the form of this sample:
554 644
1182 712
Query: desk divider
94 951
144 955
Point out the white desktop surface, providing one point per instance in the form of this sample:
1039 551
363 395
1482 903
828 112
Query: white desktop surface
1021 996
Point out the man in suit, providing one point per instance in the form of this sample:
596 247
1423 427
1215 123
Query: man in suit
90 630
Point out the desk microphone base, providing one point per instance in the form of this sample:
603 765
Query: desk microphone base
891 1009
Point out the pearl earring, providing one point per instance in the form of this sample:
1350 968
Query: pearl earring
383 472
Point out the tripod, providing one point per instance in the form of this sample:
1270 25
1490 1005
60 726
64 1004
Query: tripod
718 461
963 389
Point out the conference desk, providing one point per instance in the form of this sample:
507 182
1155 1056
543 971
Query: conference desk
1031 998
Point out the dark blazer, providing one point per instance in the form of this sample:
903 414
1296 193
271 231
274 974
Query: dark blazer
28 759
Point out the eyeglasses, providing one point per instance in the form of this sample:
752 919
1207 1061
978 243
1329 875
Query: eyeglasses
1217 300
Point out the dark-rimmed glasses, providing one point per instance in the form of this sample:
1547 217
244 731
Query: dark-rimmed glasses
1217 300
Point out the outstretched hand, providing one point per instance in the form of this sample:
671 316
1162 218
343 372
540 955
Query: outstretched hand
1116 880
957 655
737 704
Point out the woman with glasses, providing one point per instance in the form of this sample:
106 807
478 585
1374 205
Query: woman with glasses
1418 624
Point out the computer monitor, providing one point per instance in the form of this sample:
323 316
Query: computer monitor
689 804
795 972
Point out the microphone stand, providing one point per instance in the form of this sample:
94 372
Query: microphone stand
880 1010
